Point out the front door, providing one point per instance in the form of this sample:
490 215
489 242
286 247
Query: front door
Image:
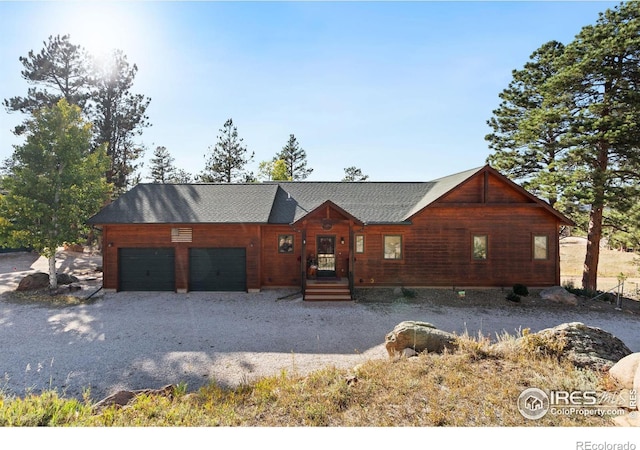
326 256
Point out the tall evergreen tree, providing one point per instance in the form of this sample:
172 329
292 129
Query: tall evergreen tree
119 116
227 160
530 127
162 168
583 109
601 72
101 89
295 158
56 182
60 70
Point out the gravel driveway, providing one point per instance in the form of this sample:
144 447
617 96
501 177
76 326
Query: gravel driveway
147 340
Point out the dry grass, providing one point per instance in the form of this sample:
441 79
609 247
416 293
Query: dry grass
611 266
478 385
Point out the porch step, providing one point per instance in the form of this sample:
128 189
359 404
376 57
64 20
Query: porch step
327 292
327 297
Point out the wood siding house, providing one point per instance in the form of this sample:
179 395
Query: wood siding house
472 229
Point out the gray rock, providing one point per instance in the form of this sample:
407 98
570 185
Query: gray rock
65 278
123 398
585 346
558 294
418 336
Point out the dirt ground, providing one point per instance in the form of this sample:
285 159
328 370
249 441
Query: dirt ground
139 340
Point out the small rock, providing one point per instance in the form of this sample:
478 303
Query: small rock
65 278
409 352
558 294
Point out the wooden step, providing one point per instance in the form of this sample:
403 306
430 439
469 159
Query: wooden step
327 291
327 297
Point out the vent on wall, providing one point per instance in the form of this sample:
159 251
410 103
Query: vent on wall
181 235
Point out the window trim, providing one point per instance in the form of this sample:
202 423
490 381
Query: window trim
486 247
357 240
280 246
384 244
546 248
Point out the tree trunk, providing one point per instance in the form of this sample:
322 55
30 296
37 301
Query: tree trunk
594 234
53 279
590 271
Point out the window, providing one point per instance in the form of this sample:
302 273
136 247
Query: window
285 243
480 247
393 247
359 243
540 247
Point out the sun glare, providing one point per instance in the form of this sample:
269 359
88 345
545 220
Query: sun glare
103 27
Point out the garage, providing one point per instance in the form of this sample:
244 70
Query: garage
217 269
146 269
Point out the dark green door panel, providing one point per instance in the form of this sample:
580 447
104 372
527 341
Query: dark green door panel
217 269
146 269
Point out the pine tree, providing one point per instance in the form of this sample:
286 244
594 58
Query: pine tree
573 115
354 174
295 158
227 160
119 115
60 70
601 73
530 127
162 168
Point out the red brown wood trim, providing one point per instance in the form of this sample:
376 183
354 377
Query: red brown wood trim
485 190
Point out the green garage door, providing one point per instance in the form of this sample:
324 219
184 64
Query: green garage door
147 269
217 269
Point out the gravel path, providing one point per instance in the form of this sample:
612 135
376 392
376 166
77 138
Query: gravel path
147 340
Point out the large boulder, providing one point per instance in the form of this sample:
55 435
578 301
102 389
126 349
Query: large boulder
558 294
40 280
585 346
625 371
33 282
418 336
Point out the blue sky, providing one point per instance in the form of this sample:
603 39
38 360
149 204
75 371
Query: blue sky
402 90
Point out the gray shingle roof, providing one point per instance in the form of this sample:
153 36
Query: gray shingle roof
191 203
276 202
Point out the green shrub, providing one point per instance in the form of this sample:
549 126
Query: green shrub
520 289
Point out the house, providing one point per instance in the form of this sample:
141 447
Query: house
472 229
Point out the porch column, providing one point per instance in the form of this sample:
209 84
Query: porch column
303 262
351 256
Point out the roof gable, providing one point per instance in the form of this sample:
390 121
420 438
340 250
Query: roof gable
330 211
483 185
